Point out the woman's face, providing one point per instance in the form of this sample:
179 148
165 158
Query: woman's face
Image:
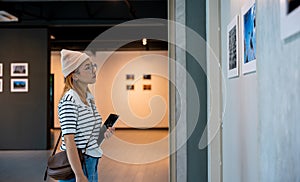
86 72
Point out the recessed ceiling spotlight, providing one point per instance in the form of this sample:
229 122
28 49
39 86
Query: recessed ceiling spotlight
144 41
52 37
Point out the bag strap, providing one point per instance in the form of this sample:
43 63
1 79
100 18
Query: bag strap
54 150
57 142
89 139
93 125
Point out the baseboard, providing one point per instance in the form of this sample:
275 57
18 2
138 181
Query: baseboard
130 128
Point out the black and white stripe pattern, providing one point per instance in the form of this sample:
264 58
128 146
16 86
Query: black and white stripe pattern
79 119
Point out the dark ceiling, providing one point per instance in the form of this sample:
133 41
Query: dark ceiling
74 24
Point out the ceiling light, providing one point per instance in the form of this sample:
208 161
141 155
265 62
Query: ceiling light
52 37
144 41
7 17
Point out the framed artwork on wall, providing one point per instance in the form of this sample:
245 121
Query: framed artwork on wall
146 87
19 85
147 76
290 15
1 85
129 87
1 69
248 30
19 69
232 48
129 76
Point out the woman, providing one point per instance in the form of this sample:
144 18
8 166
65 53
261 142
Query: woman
79 118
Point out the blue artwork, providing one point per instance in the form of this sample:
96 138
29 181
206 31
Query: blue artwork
19 84
249 35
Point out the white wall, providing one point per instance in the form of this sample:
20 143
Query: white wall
278 71
138 108
240 107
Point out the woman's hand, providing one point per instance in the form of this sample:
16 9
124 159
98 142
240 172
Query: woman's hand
109 132
81 178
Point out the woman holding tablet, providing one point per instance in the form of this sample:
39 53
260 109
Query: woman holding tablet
79 119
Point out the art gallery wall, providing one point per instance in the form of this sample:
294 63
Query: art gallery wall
23 118
278 77
137 108
240 111
261 117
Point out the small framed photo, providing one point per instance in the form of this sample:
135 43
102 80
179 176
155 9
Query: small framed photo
129 76
290 14
1 85
147 76
129 87
1 69
146 87
19 85
232 48
19 69
248 30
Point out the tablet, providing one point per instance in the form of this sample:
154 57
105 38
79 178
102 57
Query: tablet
111 120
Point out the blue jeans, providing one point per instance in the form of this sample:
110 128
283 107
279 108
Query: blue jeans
91 167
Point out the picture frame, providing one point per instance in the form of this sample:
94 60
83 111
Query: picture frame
1 85
248 31
129 87
19 69
1 69
146 87
233 48
147 76
129 76
19 85
289 18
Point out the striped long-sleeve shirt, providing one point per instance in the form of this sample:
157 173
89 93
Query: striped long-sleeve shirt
80 119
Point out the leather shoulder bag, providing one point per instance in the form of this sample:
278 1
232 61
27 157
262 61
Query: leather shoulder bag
59 167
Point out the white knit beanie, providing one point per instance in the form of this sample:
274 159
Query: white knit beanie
71 60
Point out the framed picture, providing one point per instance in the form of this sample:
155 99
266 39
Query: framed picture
19 69
19 85
129 76
248 29
290 15
129 87
1 85
1 69
232 48
146 87
147 76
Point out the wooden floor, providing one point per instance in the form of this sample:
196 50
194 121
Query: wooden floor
112 171
135 156
130 156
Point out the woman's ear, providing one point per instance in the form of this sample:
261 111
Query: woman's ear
75 77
